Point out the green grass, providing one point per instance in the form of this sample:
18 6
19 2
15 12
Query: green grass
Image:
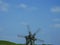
3 42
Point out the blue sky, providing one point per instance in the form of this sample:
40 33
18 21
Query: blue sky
16 14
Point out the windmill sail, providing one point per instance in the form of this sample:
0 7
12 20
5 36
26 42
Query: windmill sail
21 36
29 31
36 32
30 38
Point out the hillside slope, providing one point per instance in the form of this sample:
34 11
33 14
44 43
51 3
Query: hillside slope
2 42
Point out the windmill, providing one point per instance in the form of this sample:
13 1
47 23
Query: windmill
31 38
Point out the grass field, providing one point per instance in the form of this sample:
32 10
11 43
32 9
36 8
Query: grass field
2 42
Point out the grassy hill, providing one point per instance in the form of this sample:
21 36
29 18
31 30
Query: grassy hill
2 42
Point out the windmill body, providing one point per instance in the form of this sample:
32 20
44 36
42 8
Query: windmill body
30 38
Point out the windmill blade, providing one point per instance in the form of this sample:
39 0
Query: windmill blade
28 27
40 40
36 32
21 36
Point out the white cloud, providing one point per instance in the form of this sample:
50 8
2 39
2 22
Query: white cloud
0 2
55 25
57 19
26 7
3 6
55 9
22 6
